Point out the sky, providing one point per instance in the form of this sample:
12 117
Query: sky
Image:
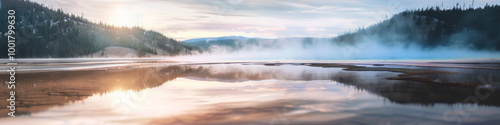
187 19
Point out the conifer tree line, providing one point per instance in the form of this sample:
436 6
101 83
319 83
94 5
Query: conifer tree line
463 27
42 32
431 27
481 24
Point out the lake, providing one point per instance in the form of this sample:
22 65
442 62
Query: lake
253 93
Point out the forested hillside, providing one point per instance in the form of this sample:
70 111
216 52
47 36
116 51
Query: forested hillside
476 29
42 32
468 28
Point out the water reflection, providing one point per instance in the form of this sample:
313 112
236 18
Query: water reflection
237 94
40 91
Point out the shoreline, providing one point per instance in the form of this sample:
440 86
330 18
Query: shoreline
76 64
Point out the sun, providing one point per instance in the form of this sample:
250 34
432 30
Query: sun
122 17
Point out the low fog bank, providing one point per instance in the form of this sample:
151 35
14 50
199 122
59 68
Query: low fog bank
368 48
411 35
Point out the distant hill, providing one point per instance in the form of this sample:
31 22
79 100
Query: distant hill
232 42
43 32
238 43
467 28
214 39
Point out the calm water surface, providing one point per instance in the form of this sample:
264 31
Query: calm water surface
246 94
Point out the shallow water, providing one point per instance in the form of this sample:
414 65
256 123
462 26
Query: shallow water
246 94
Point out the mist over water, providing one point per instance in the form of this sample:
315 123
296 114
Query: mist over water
402 37
368 48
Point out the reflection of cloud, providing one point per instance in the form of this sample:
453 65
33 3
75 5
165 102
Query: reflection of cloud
232 73
225 104
279 116
243 94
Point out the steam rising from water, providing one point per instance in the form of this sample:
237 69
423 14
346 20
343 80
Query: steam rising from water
399 38
369 48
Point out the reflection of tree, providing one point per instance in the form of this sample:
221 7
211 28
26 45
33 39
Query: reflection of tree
40 91
403 91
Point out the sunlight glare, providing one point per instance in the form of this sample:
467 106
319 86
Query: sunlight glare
122 17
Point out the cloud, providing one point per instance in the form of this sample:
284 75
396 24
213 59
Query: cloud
265 28
226 15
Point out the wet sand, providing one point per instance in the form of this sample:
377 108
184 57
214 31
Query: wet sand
40 91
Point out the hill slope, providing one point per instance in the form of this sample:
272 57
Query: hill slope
467 28
426 33
42 32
